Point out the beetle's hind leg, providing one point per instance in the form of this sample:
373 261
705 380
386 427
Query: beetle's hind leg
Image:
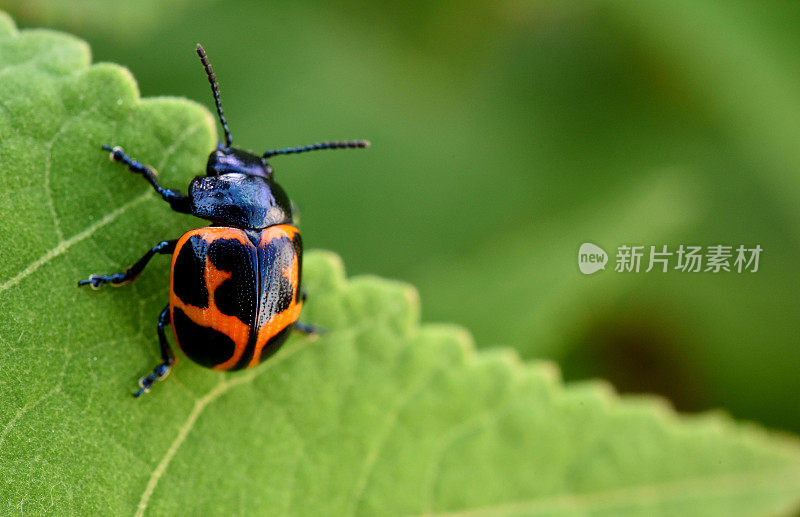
178 201
308 328
167 357
115 279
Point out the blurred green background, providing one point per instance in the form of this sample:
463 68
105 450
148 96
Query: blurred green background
507 133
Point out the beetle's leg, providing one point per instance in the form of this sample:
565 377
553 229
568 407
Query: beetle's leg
178 201
307 328
167 357
163 247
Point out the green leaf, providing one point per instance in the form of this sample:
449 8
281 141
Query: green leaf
381 415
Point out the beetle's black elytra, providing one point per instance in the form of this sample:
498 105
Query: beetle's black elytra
236 296
235 286
275 258
191 265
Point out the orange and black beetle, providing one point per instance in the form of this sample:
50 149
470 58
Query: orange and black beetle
235 288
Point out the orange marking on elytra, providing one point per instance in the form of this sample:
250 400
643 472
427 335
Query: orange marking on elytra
232 326
211 316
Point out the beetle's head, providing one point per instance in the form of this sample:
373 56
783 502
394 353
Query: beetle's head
227 159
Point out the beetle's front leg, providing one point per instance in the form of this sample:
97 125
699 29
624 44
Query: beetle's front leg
178 201
163 247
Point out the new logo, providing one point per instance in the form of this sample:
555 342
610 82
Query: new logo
591 258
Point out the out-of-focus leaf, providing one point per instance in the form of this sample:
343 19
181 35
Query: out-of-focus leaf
122 19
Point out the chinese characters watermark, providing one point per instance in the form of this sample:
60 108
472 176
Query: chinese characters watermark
687 259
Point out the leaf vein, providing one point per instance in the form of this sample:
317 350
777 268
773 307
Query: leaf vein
389 424
199 405
48 165
64 245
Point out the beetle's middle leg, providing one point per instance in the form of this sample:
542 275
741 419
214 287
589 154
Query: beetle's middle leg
163 248
178 201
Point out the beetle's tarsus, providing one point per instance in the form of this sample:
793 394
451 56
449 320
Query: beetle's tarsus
96 281
159 373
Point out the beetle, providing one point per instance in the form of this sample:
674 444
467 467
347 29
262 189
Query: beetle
235 286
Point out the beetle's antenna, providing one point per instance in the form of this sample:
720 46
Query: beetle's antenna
355 144
215 90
